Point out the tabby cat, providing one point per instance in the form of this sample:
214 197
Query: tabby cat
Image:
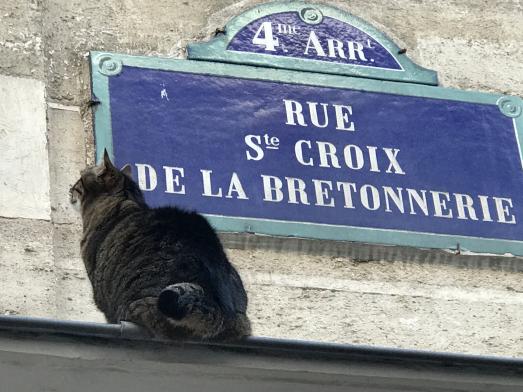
162 268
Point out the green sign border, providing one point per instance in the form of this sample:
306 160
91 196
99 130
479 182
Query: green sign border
216 49
106 65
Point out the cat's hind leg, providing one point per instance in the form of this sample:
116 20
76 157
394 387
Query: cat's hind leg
144 312
187 305
235 328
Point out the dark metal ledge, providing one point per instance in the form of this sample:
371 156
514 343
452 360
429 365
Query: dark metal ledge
60 349
130 331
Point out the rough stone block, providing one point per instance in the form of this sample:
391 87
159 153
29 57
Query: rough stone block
21 43
67 157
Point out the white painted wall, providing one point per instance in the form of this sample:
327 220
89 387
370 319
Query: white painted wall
24 164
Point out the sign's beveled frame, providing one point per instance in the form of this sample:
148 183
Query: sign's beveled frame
106 65
216 49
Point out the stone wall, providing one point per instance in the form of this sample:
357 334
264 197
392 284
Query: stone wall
46 138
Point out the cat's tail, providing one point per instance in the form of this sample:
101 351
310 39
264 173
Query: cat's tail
186 305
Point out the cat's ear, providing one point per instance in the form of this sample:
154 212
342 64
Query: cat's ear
127 171
107 168
107 161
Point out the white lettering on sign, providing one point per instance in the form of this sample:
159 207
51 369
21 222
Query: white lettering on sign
256 143
294 111
265 37
296 188
322 192
325 193
298 152
253 142
352 157
268 42
396 196
286 29
355 48
272 189
335 48
313 43
323 189
147 179
372 203
235 191
349 195
464 207
235 187
347 188
440 200
172 179
207 185
484 208
502 207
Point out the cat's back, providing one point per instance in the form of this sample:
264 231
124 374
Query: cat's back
159 233
182 225
189 234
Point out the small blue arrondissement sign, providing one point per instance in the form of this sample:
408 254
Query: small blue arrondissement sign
300 36
315 155
291 34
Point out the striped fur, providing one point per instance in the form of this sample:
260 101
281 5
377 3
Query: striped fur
162 268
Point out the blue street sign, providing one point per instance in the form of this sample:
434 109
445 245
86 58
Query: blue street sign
314 155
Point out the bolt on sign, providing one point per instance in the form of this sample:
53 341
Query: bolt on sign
302 120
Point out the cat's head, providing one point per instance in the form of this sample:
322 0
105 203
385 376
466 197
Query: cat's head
105 180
